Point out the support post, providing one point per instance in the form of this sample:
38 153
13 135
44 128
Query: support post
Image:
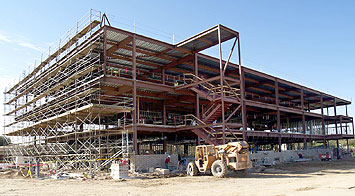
38 169
346 110
105 51
242 94
336 126
323 124
278 125
134 70
338 155
197 98
335 116
186 149
164 113
221 83
197 141
341 125
197 107
164 146
303 121
346 124
138 115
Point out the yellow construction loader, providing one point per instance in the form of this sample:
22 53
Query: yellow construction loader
218 159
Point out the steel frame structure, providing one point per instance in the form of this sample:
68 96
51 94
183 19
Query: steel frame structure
106 92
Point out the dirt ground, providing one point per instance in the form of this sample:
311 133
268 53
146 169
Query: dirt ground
312 178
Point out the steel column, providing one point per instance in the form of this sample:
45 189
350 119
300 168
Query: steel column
346 124
322 112
346 110
303 120
105 51
134 71
352 122
335 115
221 82
278 125
341 125
197 107
338 155
242 93
164 113
164 146
197 98
336 126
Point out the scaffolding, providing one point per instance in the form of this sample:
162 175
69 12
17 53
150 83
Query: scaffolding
60 114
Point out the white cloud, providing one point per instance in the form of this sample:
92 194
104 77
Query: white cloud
4 38
20 41
29 45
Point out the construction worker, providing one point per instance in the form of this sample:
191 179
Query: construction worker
167 161
351 153
180 163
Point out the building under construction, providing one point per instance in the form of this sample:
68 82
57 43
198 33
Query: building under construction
104 93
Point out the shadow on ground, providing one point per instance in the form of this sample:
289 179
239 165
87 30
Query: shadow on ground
311 168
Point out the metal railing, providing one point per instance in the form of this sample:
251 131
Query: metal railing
212 90
59 49
121 71
344 130
192 120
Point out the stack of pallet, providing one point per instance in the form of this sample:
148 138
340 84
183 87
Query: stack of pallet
119 170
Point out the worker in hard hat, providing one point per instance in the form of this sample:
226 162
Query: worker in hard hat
167 161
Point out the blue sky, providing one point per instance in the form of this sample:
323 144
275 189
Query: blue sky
309 42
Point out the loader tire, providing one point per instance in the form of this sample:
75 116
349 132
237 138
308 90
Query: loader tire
192 169
219 169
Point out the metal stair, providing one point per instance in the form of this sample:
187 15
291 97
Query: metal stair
205 127
215 112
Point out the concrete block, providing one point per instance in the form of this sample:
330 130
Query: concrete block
162 171
288 155
144 162
119 171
